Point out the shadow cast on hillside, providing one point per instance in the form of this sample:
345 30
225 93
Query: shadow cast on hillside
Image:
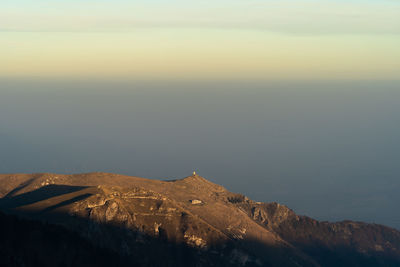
11 202
19 188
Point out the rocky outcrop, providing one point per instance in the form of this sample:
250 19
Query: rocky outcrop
145 213
353 243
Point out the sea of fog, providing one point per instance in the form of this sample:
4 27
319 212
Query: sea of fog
330 150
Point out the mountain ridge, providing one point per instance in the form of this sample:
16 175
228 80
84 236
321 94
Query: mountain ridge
196 213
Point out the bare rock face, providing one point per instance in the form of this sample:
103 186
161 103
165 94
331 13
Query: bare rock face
271 214
192 222
147 214
329 242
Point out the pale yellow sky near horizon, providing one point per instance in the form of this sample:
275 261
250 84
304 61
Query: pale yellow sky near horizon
248 40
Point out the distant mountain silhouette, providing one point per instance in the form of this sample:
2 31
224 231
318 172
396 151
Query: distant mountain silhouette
102 219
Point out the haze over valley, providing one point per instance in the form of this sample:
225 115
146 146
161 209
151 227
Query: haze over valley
326 149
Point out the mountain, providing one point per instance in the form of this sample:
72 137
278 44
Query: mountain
103 219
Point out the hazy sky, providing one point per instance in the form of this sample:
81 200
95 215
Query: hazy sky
329 150
241 39
305 112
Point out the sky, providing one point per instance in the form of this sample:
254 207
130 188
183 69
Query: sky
219 39
294 101
329 150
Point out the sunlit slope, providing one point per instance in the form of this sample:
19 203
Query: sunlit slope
197 213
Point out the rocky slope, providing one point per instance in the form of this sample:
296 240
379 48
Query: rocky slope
191 222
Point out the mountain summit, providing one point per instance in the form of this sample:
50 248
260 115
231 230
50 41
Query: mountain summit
184 222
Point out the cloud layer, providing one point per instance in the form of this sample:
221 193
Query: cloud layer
295 17
245 39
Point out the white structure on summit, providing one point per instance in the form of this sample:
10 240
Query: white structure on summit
196 201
